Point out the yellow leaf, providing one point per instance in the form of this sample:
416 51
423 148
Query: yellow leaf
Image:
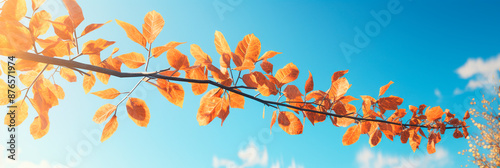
157 51
94 47
138 111
103 113
14 10
88 82
221 44
63 27
110 93
28 78
153 24
287 74
384 88
75 12
68 74
177 60
39 23
132 33
132 60
201 57
36 128
92 27
269 54
109 129
351 135
236 100
249 48
59 92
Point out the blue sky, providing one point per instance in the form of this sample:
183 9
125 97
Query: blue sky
421 48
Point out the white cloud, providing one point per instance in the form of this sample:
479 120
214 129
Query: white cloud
438 94
366 158
250 156
481 73
6 162
457 91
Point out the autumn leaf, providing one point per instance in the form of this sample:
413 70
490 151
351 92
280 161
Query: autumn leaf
110 93
198 74
132 33
287 74
35 4
59 92
92 27
88 82
20 115
63 27
236 100
221 44
201 57
109 129
157 51
75 12
312 116
268 54
467 115
93 47
153 24
387 130
132 60
68 74
457 134
266 66
339 88
309 83
224 110
28 78
177 60
39 23
389 103
14 35
351 135
404 136
14 10
210 105
138 111
290 123
172 91
58 49
414 140
249 48
103 113
384 88
338 75
434 113
36 129
273 120
375 138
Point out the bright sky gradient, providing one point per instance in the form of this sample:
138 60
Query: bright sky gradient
420 48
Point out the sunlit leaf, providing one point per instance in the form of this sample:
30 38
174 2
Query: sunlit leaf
36 129
68 74
351 135
93 47
290 123
157 51
92 27
132 60
35 4
266 66
268 54
375 138
88 82
138 111
63 27
109 129
198 74
434 113
110 93
309 83
75 12
103 113
177 60
287 74
153 24
132 33
20 115
14 10
384 88
39 23
172 91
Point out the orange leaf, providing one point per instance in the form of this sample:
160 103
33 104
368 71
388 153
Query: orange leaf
366 126
273 119
132 33
457 134
414 140
110 93
59 92
14 10
338 75
172 91
59 49
88 82
63 27
309 83
14 35
157 51
68 74
384 88
431 146
290 123
287 74
28 78
467 115
201 57
138 111
249 48
35 4
313 117
434 113
351 135
266 66
210 105
292 92
268 54
199 74
389 103
75 12
93 47
221 44
387 130
103 113
92 27
339 88
36 128
466 133
223 110
177 60
109 129
153 24
20 115
236 100
132 60
375 138
39 23
404 136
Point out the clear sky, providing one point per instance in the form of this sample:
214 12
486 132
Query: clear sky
421 48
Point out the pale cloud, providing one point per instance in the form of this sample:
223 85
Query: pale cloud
457 91
366 158
251 156
438 94
480 73
6 162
